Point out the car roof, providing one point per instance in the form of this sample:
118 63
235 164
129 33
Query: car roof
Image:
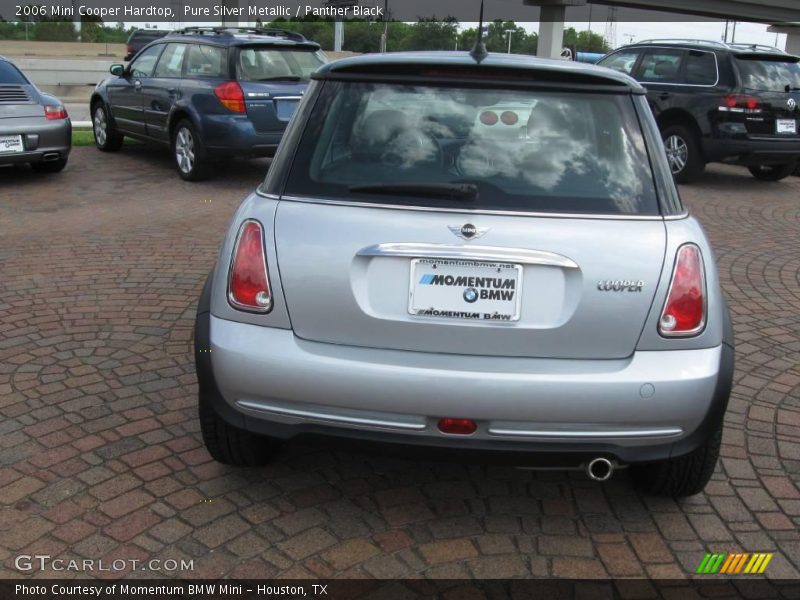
712 45
398 61
243 36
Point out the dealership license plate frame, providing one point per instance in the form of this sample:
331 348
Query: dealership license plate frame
786 126
485 267
16 149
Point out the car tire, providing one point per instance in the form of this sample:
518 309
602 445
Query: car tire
51 166
106 136
685 160
772 172
225 442
682 476
188 152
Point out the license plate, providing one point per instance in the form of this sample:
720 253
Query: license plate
786 126
11 143
465 290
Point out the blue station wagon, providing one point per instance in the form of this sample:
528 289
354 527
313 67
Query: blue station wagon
208 93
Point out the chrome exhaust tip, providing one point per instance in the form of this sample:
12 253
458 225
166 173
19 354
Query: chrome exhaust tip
600 469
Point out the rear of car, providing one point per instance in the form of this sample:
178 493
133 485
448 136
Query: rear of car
761 116
486 259
34 127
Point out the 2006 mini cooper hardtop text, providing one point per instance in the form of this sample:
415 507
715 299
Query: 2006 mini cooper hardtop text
489 257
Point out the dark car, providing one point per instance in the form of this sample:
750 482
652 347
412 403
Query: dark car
34 126
140 38
717 102
207 93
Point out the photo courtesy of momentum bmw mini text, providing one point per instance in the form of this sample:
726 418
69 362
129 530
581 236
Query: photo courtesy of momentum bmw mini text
365 299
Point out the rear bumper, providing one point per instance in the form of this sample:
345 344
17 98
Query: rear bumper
750 151
42 139
649 407
235 136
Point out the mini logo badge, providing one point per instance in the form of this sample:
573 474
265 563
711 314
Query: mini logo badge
468 231
791 104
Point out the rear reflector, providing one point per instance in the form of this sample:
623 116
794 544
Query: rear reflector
231 96
684 311
457 426
55 112
248 283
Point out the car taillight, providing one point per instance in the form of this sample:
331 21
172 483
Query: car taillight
488 118
231 96
55 112
130 49
684 311
740 103
509 118
457 426
248 283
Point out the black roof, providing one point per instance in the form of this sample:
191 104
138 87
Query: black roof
243 36
399 62
736 49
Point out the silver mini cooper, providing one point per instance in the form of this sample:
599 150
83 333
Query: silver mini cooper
489 258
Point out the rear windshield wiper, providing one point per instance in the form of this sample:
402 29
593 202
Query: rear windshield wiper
450 191
791 88
282 78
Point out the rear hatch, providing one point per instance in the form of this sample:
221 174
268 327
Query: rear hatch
486 222
771 85
274 79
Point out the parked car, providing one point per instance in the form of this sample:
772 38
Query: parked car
139 38
34 126
717 102
411 274
207 93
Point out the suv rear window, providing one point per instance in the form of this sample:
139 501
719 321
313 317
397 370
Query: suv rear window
10 74
768 75
522 150
270 63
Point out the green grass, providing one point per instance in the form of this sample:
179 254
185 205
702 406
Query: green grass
82 137
85 137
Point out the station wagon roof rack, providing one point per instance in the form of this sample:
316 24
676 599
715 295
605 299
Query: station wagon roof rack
269 31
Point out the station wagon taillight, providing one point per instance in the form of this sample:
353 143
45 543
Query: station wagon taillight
231 96
684 311
55 112
248 282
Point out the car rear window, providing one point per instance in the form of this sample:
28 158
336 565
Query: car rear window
767 75
10 74
270 64
522 150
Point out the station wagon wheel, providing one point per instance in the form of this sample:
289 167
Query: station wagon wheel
106 136
683 153
189 152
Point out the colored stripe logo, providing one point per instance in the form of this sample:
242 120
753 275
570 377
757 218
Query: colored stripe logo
734 563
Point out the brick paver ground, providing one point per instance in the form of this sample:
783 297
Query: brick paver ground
100 455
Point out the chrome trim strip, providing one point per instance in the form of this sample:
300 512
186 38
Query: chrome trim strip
556 434
485 253
274 97
328 418
510 213
675 47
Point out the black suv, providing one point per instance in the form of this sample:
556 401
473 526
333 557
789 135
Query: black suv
717 102
208 93
140 38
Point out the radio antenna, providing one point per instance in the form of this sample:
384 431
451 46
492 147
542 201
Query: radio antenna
479 52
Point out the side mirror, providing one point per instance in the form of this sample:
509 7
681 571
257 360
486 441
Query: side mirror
117 70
